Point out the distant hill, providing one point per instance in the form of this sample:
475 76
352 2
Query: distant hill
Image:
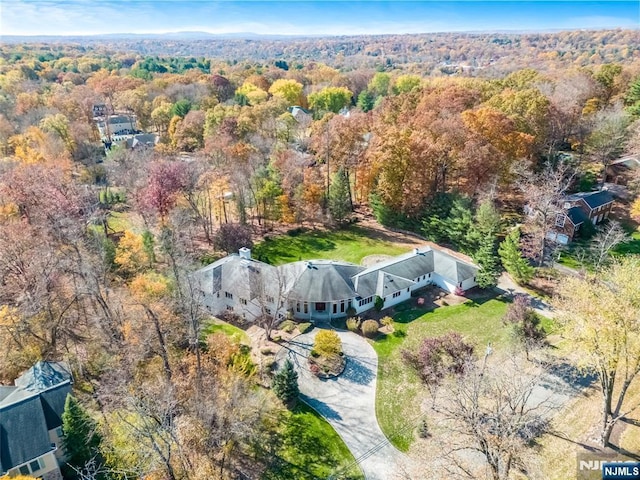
186 35
486 54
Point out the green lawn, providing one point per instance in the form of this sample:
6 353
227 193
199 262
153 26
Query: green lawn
629 248
570 257
399 389
236 334
351 244
311 449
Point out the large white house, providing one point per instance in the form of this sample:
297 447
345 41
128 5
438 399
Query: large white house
323 289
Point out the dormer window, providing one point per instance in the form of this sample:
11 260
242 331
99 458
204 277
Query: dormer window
560 219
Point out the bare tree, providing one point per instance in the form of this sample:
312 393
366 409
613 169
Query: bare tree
544 191
605 240
491 414
608 136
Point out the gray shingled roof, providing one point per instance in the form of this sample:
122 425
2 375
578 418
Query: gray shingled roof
577 215
23 432
594 199
43 375
53 401
329 281
29 410
321 280
452 268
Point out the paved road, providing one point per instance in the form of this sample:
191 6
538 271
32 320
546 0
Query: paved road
507 285
348 402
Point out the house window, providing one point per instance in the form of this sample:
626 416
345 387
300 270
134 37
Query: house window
228 295
342 306
396 294
24 470
229 308
407 290
321 306
306 307
59 432
243 301
268 311
335 308
36 465
270 299
560 220
217 294
298 307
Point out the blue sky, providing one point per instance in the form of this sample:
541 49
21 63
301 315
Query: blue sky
337 17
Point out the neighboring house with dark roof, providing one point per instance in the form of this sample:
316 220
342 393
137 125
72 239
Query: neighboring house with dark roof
301 115
577 209
31 423
324 289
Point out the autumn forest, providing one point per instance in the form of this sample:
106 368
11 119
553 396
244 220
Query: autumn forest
456 138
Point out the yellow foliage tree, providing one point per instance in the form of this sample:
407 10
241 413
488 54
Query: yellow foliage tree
635 209
27 147
601 316
288 89
131 257
254 94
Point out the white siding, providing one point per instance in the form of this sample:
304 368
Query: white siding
468 283
443 283
389 301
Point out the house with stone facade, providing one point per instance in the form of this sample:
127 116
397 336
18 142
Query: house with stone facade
324 289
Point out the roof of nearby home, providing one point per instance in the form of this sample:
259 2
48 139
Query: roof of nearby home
23 431
29 410
577 215
298 109
593 199
43 375
150 139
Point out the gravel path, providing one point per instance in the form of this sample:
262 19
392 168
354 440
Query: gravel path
347 402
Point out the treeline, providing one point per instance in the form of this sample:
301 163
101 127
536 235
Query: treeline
433 54
96 251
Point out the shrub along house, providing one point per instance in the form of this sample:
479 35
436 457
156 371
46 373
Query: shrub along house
324 289
593 207
31 424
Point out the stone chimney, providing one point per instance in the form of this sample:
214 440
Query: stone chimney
245 253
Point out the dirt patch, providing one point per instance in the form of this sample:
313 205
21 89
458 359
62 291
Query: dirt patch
370 260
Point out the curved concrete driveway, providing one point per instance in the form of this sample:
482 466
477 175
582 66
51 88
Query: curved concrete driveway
348 402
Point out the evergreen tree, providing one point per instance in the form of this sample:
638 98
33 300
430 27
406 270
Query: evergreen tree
81 438
285 384
486 258
483 242
512 259
366 101
339 198
149 243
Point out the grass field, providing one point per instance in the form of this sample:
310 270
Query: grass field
311 449
350 245
236 334
399 389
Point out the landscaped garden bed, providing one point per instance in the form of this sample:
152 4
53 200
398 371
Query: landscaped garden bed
326 359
